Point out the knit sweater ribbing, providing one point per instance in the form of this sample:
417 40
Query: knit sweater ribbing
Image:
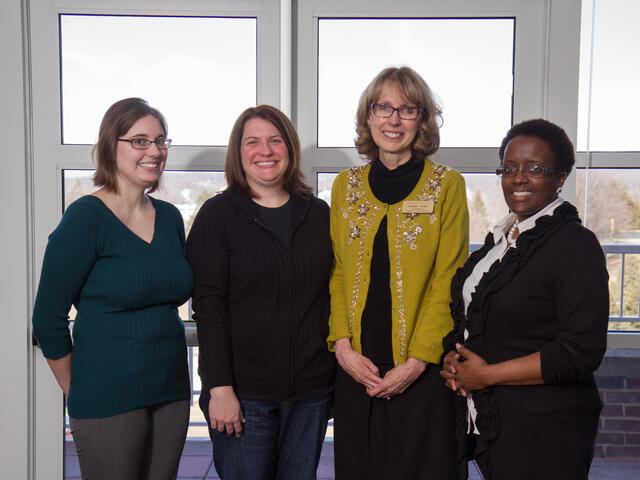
261 308
129 348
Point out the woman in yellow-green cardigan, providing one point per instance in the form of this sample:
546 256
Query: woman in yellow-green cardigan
400 229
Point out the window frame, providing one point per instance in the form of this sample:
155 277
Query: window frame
541 86
600 159
546 75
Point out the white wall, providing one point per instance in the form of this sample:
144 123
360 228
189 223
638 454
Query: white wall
14 279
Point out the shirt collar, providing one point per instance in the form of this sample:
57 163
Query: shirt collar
504 224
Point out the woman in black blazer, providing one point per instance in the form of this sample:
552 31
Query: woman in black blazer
530 315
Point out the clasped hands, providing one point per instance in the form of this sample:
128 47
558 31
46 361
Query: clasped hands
465 371
364 371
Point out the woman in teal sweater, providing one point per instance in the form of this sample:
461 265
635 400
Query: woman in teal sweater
118 257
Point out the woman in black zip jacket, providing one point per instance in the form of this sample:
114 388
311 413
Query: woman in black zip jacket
261 254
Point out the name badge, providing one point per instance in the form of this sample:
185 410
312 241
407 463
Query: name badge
417 206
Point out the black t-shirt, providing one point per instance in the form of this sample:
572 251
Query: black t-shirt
278 220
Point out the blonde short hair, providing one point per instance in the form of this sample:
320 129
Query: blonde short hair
413 87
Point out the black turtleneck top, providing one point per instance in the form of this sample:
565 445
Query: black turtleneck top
388 186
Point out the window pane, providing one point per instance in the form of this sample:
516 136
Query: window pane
186 190
615 66
612 212
486 204
325 182
186 67
468 63
613 203
197 423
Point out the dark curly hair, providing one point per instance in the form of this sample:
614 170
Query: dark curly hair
549 133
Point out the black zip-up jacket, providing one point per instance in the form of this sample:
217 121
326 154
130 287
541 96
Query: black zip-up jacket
261 308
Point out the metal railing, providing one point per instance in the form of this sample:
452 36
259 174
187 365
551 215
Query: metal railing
614 249
624 250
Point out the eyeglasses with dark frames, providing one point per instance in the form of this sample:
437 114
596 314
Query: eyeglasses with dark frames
534 171
141 143
405 112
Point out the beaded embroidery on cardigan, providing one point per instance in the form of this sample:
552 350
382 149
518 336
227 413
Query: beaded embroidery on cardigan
361 224
407 232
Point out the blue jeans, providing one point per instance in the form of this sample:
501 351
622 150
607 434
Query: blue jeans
280 441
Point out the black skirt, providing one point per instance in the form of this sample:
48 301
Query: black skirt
408 437
546 431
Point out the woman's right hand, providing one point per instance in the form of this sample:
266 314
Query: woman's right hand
359 367
225 412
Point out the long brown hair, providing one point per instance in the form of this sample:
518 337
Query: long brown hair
117 121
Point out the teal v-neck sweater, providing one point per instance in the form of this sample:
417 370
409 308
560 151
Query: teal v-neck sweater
128 348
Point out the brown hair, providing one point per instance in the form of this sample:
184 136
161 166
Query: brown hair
117 121
293 181
413 87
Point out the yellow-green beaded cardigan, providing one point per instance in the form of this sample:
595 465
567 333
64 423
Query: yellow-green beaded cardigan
425 250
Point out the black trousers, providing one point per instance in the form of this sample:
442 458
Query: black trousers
409 437
143 444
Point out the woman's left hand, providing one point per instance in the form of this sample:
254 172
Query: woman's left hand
398 379
449 363
471 374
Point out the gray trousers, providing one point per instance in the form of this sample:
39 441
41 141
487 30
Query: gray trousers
142 444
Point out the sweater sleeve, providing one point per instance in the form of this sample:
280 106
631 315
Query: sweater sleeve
69 257
208 253
453 249
582 306
338 321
